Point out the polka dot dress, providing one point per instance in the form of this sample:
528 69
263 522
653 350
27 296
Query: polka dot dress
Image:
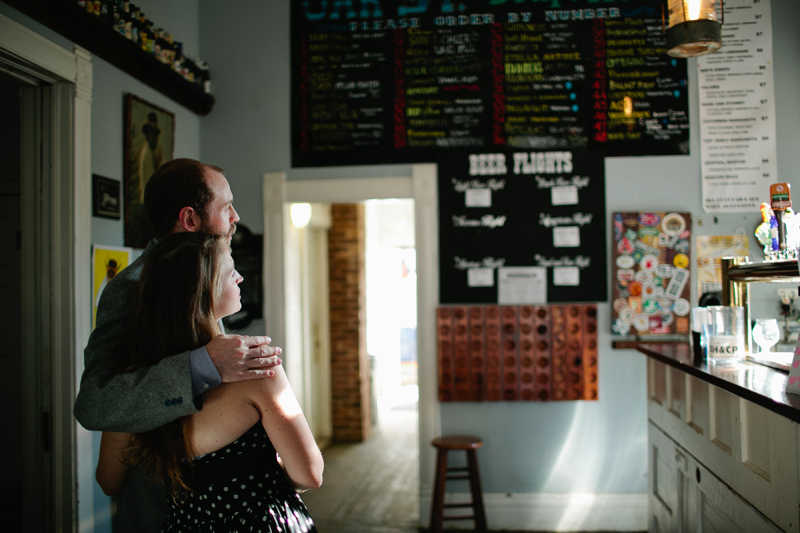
242 488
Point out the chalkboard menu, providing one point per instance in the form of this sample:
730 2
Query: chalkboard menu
522 227
408 81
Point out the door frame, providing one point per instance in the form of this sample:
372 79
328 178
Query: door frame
56 298
420 187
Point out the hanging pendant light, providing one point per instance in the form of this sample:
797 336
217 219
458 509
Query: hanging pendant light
693 28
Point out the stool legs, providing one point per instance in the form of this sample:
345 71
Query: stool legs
477 492
437 509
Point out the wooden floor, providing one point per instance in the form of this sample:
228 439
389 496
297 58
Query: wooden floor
371 486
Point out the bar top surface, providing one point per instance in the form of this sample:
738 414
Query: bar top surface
757 383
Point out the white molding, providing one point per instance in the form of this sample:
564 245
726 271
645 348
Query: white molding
274 191
82 235
552 511
345 191
427 247
421 187
32 48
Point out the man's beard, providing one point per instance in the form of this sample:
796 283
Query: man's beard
206 228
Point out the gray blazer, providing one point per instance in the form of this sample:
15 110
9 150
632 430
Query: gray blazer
131 402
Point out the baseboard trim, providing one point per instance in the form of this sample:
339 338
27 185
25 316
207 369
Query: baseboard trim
553 512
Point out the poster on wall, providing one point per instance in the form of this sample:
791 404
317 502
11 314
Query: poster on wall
650 274
408 82
149 142
737 112
522 227
710 250
107 262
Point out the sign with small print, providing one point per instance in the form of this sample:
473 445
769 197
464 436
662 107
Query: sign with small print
545 213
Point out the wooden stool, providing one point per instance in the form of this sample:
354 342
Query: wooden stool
469 445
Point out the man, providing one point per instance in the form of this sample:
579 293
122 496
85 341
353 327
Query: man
183 195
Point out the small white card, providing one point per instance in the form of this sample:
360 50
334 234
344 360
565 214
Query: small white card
566 237
480 277
521 285
566 276
478 198
564 195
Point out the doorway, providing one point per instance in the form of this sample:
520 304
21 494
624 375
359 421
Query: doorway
54 111
419 186
372 483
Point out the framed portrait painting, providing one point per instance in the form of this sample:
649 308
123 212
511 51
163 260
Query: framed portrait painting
149 142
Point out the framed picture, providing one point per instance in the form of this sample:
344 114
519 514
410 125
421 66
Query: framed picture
107 262
149 142
105 197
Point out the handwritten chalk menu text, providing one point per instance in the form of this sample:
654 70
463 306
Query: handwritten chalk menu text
522 227
407 81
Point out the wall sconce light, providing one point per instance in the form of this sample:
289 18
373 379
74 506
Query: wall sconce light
300 215
693 28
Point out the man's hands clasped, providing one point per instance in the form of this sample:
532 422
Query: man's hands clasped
240 357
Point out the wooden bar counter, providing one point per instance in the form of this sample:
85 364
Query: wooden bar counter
723 445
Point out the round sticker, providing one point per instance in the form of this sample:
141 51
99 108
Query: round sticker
635 288
644 276
682 246
665 303
620 304
637 255
625 261
673 224
681 307
648 289
641 323
665 271
651 307
627 315
625 275
648 219
666 318
659 291
681 261
649 263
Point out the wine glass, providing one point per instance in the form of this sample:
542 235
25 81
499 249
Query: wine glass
766 333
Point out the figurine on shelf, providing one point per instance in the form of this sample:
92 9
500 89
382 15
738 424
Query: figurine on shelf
767 232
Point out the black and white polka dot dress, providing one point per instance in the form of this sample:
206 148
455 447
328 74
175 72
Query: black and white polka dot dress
242 488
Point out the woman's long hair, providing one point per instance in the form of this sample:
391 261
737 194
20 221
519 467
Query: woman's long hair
174 312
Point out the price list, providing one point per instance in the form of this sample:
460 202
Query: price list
346 92
447 88
411 82
545 85
642 90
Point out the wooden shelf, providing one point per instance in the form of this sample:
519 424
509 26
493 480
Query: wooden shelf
68 19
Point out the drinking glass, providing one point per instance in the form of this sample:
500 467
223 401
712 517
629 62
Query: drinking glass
766 333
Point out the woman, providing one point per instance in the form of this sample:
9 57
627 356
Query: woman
219 465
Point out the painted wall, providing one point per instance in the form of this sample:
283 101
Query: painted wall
567 447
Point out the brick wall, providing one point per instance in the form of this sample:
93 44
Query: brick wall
350 373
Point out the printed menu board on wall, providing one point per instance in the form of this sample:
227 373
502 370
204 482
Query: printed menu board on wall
522 227
650 274
409 81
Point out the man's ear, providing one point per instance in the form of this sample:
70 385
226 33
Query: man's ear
189 219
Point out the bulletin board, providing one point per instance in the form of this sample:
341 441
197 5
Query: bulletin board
522 227
651 271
